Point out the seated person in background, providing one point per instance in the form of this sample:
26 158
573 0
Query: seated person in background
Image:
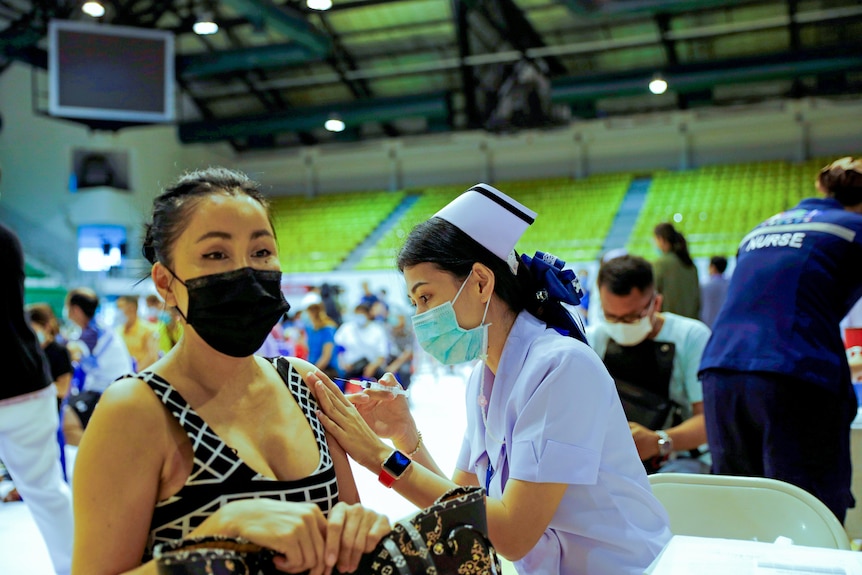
365 344
713 292
166 321
47 328
368 297
141 337
213 440
101 355
400 348
155 311
170 332
320 334
658 354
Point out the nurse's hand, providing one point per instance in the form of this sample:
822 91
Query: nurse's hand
387 414
345 424
646 440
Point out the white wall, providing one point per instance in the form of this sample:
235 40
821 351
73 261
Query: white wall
36 159
783 130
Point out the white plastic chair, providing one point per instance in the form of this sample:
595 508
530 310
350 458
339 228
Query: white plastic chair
752 508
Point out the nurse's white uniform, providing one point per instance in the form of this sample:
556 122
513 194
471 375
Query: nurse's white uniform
556 406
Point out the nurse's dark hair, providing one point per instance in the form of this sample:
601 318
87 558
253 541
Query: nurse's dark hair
624 273
842 179
442 244
172 209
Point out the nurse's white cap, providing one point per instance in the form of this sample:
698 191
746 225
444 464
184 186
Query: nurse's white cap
490 217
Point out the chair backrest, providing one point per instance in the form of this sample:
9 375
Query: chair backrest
752 508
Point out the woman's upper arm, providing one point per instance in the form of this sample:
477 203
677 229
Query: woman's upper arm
117 477
347 490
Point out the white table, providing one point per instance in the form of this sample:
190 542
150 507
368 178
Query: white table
706 556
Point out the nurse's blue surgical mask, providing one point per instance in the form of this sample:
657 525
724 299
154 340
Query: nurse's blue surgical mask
439 334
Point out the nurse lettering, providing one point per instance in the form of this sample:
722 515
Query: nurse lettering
775 240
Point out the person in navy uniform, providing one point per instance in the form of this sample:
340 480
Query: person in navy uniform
776 384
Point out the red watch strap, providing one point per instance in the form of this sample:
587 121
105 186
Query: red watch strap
386 478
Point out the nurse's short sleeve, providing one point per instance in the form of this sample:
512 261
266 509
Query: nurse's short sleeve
562 423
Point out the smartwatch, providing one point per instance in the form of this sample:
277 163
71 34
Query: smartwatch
393 468
665 443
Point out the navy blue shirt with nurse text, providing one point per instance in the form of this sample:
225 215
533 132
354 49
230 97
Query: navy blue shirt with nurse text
797 275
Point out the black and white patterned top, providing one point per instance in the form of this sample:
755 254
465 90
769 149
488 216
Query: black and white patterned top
218 476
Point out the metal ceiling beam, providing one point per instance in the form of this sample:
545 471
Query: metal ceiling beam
460 9
599 8
341 6
309 118
285 20
518 31
687 79
240 59
18 41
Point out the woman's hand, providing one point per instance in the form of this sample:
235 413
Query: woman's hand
343 421
295 531
386 413
352 530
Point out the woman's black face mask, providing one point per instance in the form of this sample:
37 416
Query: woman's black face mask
234 311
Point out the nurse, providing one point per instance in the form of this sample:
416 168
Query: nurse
546 434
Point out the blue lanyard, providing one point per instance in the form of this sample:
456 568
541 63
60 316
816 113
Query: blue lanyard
488 475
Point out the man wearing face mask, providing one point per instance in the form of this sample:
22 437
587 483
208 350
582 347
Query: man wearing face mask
365 344
101 354
653 356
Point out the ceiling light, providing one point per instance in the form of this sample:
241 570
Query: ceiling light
94 9
334 123
205 25
658 85
319 4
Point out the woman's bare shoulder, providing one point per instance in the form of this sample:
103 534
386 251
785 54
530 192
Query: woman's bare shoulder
131 402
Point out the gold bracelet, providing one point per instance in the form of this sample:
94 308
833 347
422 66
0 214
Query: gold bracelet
418 445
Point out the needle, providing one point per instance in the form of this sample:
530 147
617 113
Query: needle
374 385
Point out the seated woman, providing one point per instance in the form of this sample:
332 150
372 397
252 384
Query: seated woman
212 440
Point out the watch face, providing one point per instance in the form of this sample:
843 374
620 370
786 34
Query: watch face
397 463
